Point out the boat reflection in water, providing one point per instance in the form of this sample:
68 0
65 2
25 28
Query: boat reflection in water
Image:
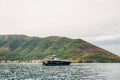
53 61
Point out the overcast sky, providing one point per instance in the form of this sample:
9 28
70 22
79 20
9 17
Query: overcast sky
96 21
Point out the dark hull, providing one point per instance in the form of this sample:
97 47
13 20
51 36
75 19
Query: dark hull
56 63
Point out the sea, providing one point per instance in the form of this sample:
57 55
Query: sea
75 71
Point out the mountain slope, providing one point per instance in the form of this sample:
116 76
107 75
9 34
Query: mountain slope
22 48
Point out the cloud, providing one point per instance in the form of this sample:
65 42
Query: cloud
104 38
92 20
60 17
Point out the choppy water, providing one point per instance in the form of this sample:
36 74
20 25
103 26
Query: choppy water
79 71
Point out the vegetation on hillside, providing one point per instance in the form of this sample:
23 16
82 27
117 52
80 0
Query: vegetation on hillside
24 48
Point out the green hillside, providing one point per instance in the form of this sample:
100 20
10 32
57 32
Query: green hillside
24 48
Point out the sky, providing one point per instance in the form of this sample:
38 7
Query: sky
96 21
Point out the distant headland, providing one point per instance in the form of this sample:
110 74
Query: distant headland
22 48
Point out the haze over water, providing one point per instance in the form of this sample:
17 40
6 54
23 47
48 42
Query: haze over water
78 71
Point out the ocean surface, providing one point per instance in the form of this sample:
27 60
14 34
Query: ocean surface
76 71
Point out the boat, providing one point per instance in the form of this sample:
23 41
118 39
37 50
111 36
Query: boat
53 61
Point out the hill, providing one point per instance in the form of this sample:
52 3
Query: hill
25 48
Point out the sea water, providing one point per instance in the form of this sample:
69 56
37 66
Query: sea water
75 71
